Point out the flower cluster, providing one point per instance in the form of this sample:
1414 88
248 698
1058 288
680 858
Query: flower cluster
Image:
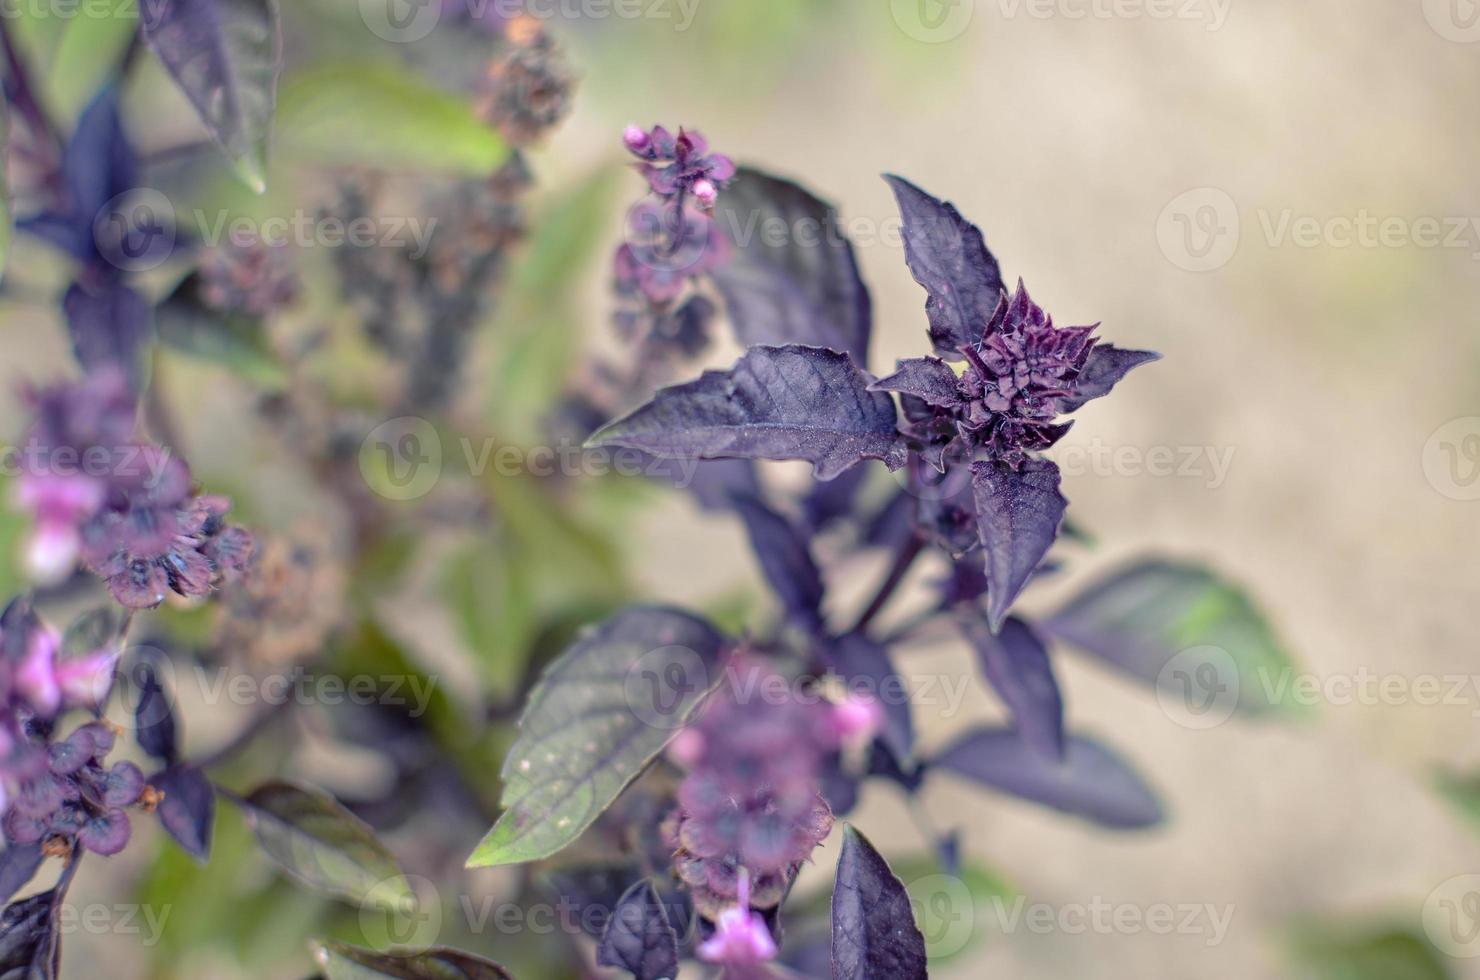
59 791
527 90
672 238
1019 378
126 508
749 809
249 276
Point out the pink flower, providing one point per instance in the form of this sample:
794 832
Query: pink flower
740 935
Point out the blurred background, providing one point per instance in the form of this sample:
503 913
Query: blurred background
1280 198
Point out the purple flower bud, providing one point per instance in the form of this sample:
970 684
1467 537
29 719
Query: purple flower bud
705 193
124 785
637 140
35 676
106 833
72 753
86 681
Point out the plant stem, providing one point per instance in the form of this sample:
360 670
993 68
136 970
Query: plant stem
25 100
908 552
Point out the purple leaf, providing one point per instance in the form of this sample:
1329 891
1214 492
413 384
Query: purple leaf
638 937
873 926
97 166
154 714
927 378
225 56
1016 662
947 255
110 326
865 666
793 278
784 557
776 403
830 500
1018 514
1104 369
29 938
18 864
188 810
1091 781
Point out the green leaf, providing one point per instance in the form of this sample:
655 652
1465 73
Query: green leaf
382 116
952 910
537 322
88 52
1332 953
342 962
490 597
324 846
1463 793
235 340
599 715
1182 627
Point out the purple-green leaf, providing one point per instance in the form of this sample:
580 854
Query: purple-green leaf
18 865
927 378
948 256
1018 513
1091 781
1104 369
340 961
599 715
874 935
788 402
324 846
638 937
793 278
1016 663
225 55
1143 618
